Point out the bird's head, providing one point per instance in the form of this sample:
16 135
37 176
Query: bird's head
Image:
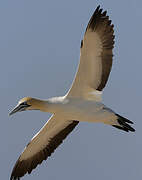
27 103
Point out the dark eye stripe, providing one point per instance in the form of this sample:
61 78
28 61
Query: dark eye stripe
24 104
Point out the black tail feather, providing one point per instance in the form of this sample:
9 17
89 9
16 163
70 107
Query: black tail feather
123 124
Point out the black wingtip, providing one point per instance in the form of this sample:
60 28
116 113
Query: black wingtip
98 7
14 178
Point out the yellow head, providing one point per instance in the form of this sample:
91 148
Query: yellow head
27 103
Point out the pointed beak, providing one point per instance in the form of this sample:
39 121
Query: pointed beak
19 108
16 109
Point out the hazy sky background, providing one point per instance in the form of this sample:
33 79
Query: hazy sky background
39 53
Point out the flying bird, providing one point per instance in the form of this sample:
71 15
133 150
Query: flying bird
81 103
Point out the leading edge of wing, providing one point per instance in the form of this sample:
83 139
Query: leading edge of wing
29 159
98 42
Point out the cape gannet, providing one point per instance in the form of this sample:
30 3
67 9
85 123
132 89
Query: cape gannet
81 103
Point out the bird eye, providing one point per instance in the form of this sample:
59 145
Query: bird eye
24 103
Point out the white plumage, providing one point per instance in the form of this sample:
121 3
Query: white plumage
81 103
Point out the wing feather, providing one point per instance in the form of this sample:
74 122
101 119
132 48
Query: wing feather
42 146
96 56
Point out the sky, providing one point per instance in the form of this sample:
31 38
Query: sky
39 54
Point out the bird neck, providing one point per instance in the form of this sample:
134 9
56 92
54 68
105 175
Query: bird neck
40 105
49 105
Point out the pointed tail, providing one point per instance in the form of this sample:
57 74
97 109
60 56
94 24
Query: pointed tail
123 124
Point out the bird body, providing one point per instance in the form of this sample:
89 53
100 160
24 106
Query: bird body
83 102
74 109
81 109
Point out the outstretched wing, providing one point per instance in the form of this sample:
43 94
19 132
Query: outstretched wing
96 57
42 145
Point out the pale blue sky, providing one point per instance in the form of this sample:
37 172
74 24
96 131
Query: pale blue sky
39 53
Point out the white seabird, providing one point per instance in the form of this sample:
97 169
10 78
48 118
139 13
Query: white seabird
81 103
